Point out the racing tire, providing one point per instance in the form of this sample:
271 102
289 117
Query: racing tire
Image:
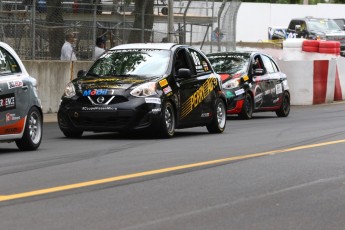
65 128
218 122
33 131
247 108
166 126
284 109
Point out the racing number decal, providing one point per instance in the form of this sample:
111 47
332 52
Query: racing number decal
198 96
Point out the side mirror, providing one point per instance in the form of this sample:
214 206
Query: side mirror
184 73
81 73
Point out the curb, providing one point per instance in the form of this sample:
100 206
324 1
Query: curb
49 117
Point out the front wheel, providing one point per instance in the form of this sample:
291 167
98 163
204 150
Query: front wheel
284 109
166 126
65 128
247 108
218 122
32 135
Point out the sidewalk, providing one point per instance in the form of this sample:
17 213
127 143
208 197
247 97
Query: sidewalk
50 117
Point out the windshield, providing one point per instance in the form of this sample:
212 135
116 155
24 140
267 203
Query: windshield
234 63
140 62
323 25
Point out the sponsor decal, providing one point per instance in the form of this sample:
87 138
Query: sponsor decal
167 89
7 102
229 94
205 114
98 108
116 79
276 100
198 96
258 97
163 83
279 88
95 92
11 117
204 64
11 130
153 100
156 110
14 84
105 86
16 127
239 92
246 78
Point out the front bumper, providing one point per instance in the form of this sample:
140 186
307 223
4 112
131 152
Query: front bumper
125 116
235 99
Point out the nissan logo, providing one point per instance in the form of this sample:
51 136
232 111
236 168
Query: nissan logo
100 100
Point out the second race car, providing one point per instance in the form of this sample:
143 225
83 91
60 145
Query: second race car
252 82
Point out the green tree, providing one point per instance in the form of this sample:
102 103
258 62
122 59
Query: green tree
143 20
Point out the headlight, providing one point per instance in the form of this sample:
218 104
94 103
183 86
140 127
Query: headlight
144 90
233 83
69 90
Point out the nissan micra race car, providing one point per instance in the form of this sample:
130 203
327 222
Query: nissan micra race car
252 82
151 87
20 108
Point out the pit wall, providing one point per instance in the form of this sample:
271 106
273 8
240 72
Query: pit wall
313 78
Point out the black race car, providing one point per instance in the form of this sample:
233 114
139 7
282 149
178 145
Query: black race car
152 87
252 82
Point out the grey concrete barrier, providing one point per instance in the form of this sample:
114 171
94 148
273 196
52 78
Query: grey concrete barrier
52 77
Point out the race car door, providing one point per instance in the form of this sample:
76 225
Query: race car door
14 96
274 86
195 104
208 85
190 110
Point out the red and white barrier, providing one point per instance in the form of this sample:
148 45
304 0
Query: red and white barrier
310 82
339 93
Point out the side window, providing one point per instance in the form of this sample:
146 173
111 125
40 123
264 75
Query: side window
268 64
180 60
293 25
8 64
257 63
200 62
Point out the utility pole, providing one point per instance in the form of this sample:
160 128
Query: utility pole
171 30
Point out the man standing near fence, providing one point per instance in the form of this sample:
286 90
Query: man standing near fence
100 47
67 50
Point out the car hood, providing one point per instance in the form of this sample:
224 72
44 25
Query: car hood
331 33
113 82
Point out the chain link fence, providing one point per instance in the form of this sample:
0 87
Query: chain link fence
37 31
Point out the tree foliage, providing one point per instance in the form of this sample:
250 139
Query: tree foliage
142 22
